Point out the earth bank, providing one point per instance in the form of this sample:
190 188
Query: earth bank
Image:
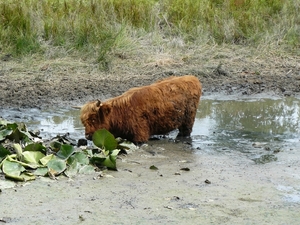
38 82
218 189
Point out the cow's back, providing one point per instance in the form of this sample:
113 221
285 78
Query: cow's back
165 105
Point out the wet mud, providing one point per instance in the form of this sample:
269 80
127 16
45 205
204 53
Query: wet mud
217 189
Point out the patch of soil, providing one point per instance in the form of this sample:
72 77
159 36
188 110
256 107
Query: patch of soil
38 82
216 189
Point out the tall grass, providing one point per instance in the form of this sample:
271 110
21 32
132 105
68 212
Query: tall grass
233 21
32 26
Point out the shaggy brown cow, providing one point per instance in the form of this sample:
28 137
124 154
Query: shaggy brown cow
144 111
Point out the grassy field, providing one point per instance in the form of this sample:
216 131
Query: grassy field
98 27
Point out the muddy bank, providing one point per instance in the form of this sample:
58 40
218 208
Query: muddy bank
69 89
217 189
39 82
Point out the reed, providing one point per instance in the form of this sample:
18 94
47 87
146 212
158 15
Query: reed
32 26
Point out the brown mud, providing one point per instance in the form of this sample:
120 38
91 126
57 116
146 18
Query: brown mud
217 188
37 82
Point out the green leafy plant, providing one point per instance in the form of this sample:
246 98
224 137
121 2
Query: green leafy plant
107 142
22 159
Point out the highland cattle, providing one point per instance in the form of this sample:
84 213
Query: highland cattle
140 112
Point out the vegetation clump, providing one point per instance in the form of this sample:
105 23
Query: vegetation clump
24 156
100 26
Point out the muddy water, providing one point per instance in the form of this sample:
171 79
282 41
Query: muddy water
258 127
254 126
243 160
50 122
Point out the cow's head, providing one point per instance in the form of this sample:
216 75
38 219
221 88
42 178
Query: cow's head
93 116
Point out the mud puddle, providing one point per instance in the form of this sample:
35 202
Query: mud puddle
50 122
259 127
256 126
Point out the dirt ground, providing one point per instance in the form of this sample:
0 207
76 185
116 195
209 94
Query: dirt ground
38 82
217 189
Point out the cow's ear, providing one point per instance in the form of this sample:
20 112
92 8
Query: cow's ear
104 110
98 103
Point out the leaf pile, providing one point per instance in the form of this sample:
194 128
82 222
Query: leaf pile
23 155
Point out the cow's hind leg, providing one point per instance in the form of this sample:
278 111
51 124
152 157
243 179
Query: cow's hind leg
184 134
184 131
187 124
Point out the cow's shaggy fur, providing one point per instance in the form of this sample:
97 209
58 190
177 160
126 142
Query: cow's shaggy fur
144 111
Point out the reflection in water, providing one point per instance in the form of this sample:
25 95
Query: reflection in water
63 121
50 123
239 124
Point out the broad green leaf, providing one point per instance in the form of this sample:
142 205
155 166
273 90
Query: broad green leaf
44 161
3 152
81 158
23 177
71 159
77 167
86 169
13 177
88 152
27 176
16 135
13 170
97 158
32 157
72 169
18 150
110 161
11 126
3 160
13 158
55 146
56 166
24 134
65 151
35 147
41 171
104 140
4 133
115 153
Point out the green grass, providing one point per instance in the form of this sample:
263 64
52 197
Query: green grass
32 26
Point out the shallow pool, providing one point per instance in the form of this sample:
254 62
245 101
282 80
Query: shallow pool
258 127
254 126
